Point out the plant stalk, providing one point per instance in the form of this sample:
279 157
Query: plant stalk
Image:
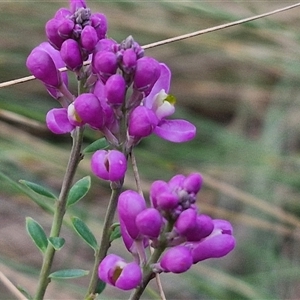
74 159
105 239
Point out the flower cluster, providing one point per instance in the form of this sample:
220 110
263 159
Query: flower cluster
173 226
124 93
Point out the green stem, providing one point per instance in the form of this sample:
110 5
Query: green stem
105 240
74 159
148 274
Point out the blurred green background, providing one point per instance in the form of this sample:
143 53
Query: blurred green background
239 86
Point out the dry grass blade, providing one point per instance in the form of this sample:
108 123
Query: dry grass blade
178 38
9 285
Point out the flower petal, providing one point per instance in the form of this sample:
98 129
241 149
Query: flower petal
176 131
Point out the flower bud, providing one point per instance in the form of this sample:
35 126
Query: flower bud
142 122
65 28
89 110
76 4
99 22
52 34
57 121
109 165
130 204
105 63
42 66
193 183
62 13
219 243
89 38
115 271
149 222
129 60
71 54
177 259
146 74
115 89
157 187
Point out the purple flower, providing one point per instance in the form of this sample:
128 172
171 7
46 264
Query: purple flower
89 110
149 222
57 121
52 33
115 89
76 4
104 64
177 259
162 197
163 105
219 243
193 183
142 122
109 165
115 271
130 204
89 38
41 64
71 54
99 22
193 227
146 74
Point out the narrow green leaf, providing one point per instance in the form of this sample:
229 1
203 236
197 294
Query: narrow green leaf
97 145
24 292
82 229
37 233
68 274
116 232
79 190
27 191
57 242
100 286
38 189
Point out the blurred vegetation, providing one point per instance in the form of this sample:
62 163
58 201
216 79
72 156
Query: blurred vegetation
239 86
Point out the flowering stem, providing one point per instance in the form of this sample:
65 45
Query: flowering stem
116 188
148 273
74 159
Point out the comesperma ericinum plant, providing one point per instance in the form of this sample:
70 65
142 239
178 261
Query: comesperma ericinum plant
123 94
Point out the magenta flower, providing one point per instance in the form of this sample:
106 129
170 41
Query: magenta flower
71 54
57 121
149 222
146 74
99 22
193 227
142 122
115 271
163 105
88 110
177 259
109 165
104 64
89 38
41 64
115 89
130 204
219 243
76 4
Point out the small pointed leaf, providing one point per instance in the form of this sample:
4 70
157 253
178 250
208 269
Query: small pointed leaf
57 242
100 286
79 190
68 274
82 229
25 292
115 233
38 189
37 233
97 145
